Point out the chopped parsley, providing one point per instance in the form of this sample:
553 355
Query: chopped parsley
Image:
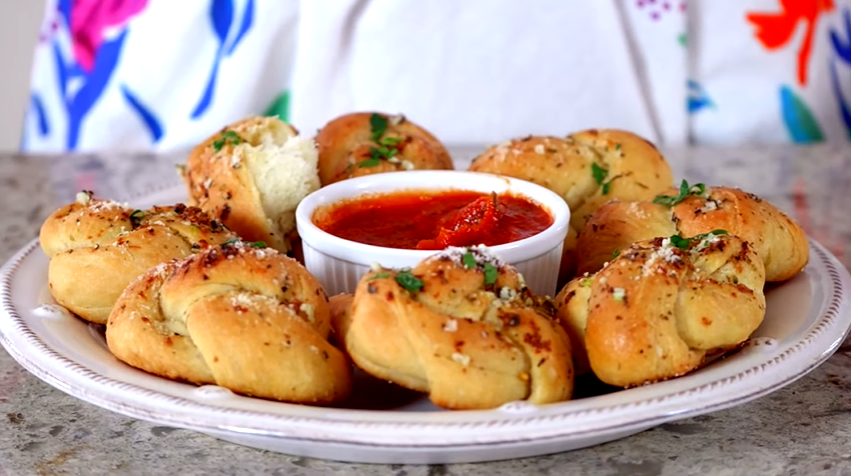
228 137
371 162
586 283
616 253
600 174
680 242
379 276
684 243
378 124
136 217
685 191
491 273
469 260
254 244
703 236
408 281
387 146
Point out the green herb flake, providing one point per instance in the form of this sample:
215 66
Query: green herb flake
607 187
685 191
680 242
378 125
469 260
491 273
616 253
684 243
257 244
586 283
599 173
372 162
378 276
703 236
231 242
228 137
390 141
409 281
136 217
617 147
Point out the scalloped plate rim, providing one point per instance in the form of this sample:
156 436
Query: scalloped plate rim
523 435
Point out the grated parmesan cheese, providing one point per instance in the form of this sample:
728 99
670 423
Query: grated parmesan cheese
461 358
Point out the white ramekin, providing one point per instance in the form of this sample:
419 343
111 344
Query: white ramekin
339 263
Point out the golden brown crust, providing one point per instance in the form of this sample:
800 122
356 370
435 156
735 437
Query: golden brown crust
777 239
248 319
251 175
634 170
466 343
658 311
107 245
345 142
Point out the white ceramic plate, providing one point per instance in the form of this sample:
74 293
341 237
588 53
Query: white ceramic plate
807 319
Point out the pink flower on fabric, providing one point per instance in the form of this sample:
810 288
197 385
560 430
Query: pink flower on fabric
92 19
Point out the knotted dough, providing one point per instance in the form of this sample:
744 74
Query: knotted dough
346 146
472 336
658 310
248 319
777 239
97 247
586 169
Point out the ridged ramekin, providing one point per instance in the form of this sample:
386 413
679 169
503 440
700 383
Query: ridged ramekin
339 263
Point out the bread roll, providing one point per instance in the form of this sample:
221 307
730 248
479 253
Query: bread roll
777 239
106 245
349 147
462 327
248 319
587 169
252 175
657 311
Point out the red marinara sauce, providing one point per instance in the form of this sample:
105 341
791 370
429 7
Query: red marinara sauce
434 220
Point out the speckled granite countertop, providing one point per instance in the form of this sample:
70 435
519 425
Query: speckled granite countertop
803 429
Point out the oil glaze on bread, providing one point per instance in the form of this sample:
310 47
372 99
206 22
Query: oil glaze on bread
471 335
365 143
252 175
247 319
663 306
777 239
587 169
97 247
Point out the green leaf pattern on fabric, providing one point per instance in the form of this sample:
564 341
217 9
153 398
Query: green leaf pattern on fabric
799 119
280 107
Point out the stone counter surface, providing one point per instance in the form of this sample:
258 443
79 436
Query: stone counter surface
802 429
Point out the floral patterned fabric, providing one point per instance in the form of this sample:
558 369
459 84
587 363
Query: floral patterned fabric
161 75
155 74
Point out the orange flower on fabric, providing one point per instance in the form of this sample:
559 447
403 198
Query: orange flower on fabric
775 30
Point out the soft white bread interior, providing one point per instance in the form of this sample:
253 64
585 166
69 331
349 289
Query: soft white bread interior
252 175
